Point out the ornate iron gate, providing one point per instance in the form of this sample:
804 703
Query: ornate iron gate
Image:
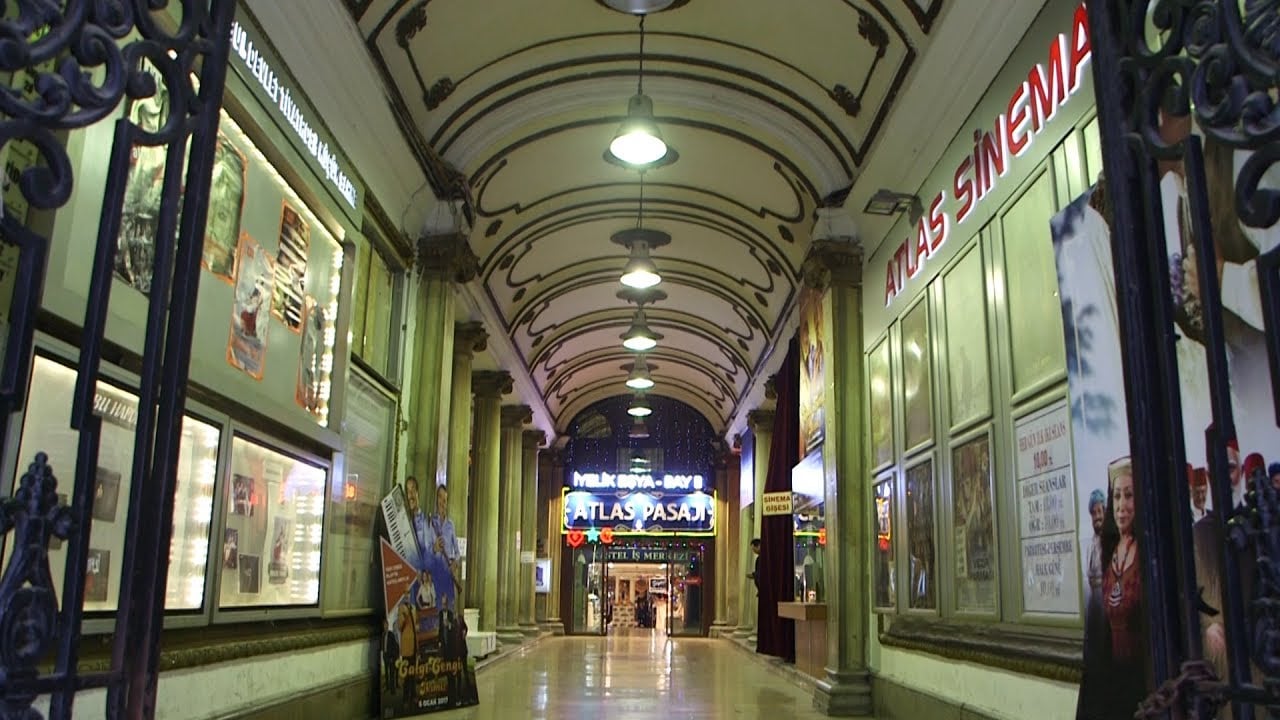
1158 63
83 58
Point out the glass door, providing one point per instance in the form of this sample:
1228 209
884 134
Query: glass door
685 592
590 595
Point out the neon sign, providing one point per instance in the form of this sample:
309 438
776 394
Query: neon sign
632 481
638 513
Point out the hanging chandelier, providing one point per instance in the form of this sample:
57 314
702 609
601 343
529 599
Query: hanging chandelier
638 143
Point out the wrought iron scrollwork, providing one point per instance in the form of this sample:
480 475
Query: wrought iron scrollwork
81 60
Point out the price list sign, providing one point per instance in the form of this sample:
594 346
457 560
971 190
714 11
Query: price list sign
1046 512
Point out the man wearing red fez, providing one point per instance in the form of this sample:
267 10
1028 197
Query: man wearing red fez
1198 479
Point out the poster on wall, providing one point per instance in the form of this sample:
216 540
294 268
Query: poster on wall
255 275
812 372
307 392
975 540
920 524
291 268
885 589
226 205
140 214
1046 511
425 664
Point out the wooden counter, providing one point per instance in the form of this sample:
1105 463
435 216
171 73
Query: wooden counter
811 635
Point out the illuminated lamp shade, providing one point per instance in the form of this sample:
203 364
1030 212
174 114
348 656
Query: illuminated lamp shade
638 141
639 378
639 337
640 272
640 407
639 430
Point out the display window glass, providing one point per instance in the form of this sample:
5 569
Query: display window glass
273 523
883 561
47 428
354 497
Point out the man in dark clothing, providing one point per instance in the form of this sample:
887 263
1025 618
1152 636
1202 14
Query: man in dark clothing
755 574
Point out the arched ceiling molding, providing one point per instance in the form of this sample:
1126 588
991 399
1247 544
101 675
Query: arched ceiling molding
615 322
830 159
666 121
681 278
591 395
666 364
673 211
693 384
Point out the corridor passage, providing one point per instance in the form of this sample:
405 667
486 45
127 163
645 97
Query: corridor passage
635 677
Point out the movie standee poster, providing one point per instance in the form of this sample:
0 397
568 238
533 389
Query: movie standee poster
255 276
1109 491
812 372
424 666
307 391
291 268
226 206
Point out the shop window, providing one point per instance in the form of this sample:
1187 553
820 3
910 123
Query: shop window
351 554
374 329
272 526
46 428
968 369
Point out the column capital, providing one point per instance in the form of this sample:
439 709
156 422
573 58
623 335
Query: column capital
760 420
491 383
771 387
515 417
533 439
447 257
469 338
832 263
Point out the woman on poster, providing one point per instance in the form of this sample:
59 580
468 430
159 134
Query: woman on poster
1122 590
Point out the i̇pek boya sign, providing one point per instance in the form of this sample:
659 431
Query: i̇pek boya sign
1033 103
639 504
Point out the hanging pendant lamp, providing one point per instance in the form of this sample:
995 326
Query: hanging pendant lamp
640 407
639 337
639 378
638 143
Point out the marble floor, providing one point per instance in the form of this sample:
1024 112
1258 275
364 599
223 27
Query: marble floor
636 676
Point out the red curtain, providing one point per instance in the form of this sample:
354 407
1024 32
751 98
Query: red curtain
776 636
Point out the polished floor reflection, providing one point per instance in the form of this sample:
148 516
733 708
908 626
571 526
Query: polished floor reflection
635 676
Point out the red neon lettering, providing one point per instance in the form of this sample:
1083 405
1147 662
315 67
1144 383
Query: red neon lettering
963 187
993 155
890 285
1048 93
1081 45
922 247
1018 114
938 224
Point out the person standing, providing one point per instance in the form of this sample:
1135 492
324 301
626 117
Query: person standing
755 574
442 546
413 505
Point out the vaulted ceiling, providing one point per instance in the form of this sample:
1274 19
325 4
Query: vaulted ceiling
773 108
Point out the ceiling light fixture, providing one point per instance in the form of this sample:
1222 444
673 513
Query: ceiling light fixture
638 144
639 430
640 407
639 337
639 378
640 272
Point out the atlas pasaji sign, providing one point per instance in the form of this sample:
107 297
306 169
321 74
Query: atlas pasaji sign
1031 106
640 512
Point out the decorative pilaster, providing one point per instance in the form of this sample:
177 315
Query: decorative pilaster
532 440
489 387
555 545
761 422
442 261
720 621
468 339
834 266
514 418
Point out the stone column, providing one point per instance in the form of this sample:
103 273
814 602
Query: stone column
555 542
761 422
442 261
468 339
533 439
834 266
732 550
514 418
489 387
720 621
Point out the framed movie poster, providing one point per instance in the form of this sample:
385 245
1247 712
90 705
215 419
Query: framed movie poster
922 553
255 276
972 513
917 378
883 560
311 373
226 206
291 268
881 405
106 495
140 215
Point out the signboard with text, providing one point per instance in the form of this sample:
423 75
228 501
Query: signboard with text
777 503
1046 512
640 512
